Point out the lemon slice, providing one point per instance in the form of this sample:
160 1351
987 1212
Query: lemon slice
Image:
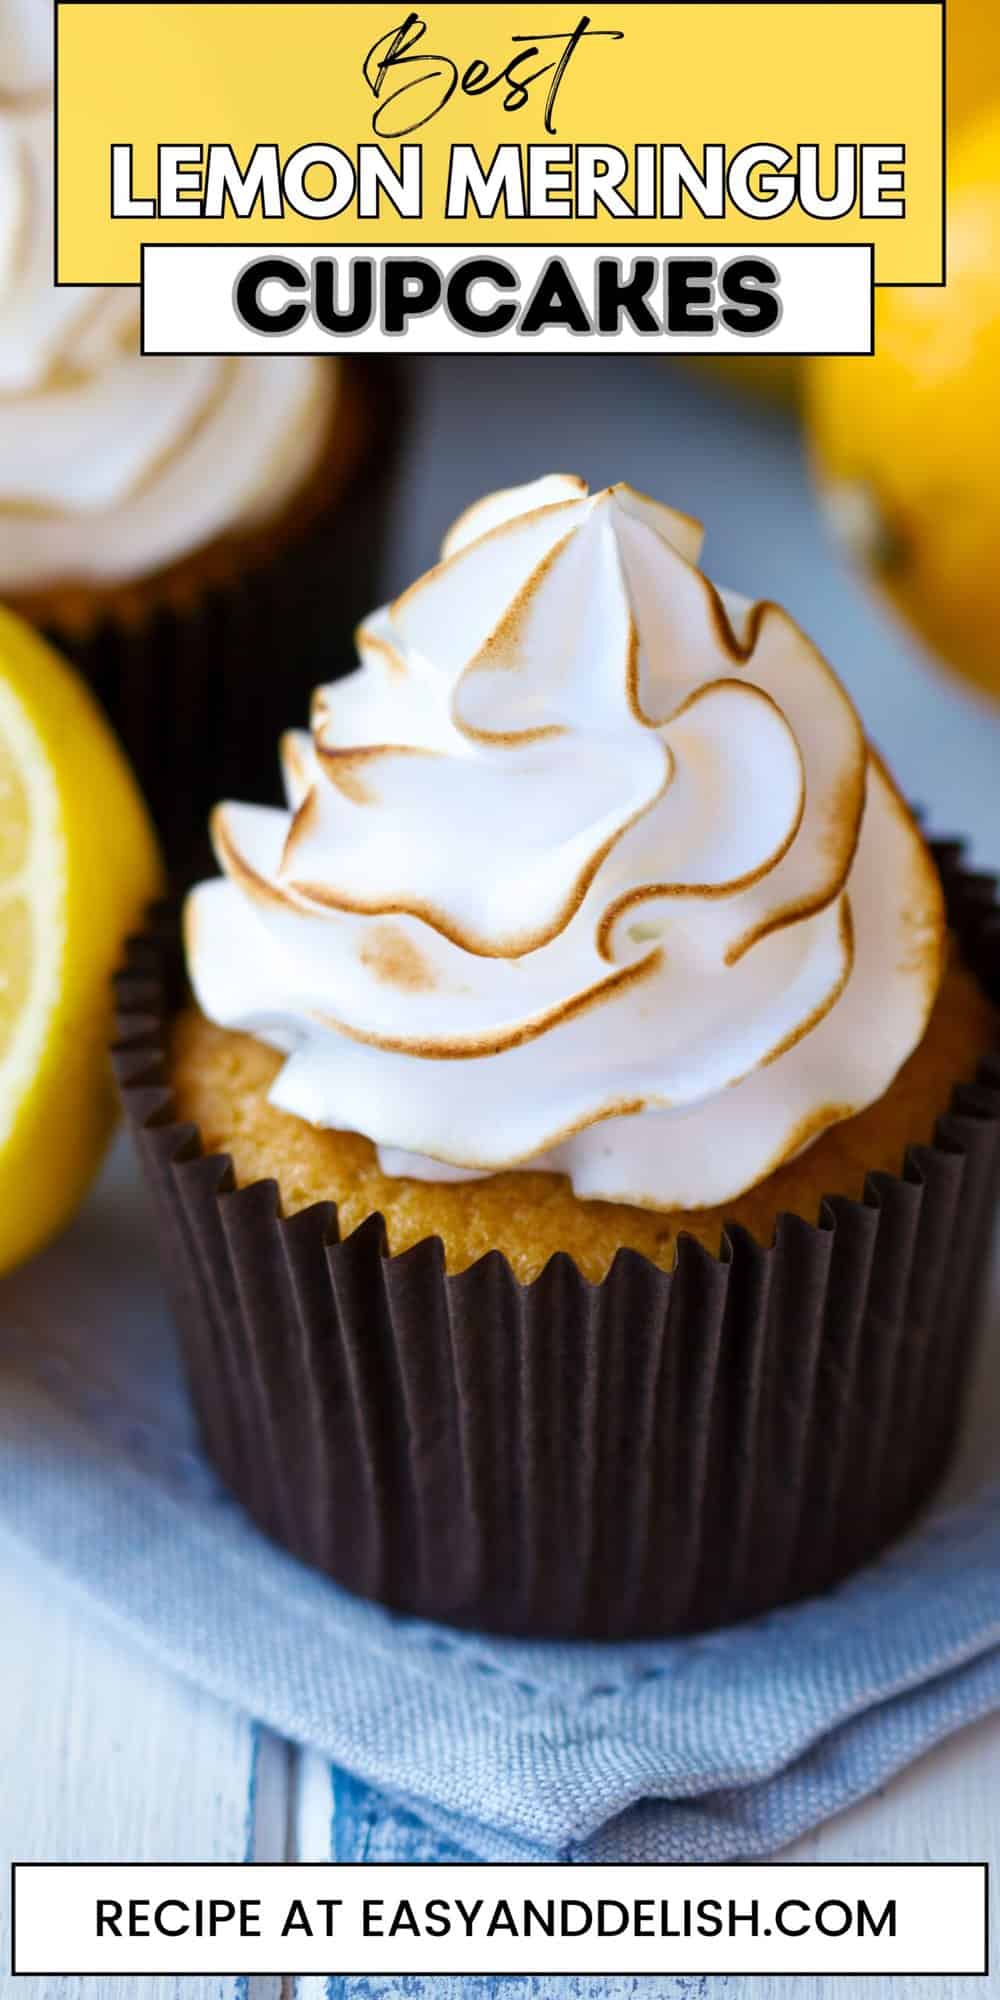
78 864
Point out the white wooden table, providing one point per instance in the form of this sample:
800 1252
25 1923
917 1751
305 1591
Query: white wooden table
104 1756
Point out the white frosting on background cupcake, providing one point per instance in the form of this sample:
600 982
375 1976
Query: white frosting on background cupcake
588 867
114 465
26 37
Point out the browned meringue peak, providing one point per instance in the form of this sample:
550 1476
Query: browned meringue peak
573 873
681 531
541 733
450 612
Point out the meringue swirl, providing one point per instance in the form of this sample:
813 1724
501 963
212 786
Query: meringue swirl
588 867
114 465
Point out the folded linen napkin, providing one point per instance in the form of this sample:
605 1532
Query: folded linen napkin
725 1746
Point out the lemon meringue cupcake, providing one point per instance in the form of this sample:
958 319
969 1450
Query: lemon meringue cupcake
164 519
588 1203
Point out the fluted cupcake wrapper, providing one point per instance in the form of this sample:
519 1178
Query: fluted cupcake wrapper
657 1453
200 697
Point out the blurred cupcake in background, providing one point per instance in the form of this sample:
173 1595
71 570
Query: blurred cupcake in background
168 520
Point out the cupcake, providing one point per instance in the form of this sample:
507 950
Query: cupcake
575 1131
169 520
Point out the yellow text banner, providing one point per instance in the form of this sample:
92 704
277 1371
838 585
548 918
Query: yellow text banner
611 97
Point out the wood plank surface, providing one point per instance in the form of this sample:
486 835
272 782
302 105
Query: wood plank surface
104 1757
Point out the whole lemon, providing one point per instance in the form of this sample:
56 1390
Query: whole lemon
973 57
906 441
973 83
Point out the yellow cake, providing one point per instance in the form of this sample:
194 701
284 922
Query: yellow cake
221 1078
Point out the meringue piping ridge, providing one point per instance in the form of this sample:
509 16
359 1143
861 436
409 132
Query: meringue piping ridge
651 954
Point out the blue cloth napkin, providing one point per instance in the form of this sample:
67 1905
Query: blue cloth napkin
721 1747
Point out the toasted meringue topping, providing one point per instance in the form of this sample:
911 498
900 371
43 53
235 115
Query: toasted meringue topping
588 867
113 465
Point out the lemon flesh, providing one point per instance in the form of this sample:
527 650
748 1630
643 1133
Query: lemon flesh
78 865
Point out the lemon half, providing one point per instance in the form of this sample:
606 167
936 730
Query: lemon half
78 865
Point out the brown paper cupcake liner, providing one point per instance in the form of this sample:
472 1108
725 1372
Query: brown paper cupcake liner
658 1453
200 696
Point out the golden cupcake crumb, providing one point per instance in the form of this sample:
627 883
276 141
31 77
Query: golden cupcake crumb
221 1080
